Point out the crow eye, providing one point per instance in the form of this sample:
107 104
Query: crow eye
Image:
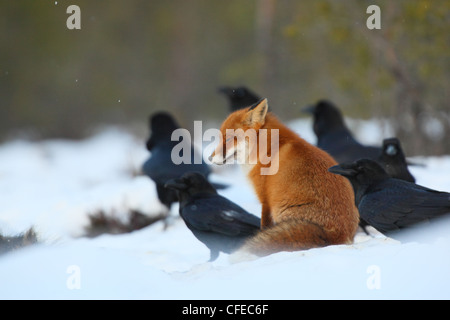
391 150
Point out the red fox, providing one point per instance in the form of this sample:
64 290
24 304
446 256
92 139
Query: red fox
303 205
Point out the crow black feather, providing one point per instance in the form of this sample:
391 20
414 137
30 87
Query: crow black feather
239 97
160 166
334 137
393 160
219 223
390 204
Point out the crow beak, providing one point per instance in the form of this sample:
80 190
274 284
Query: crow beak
176 184
309 109
225 90
346 172
148 144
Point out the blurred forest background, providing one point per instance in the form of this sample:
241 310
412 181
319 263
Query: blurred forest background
134 57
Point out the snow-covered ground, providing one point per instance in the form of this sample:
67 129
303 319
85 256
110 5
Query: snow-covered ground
52 186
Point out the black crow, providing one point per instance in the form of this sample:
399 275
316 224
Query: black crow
390 204
334 137
160 166
239 97
393 160
214 220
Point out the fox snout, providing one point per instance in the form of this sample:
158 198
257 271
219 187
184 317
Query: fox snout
211 157
216 158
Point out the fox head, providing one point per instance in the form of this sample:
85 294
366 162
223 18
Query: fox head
239 134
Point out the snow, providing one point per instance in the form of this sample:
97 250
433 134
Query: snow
53 185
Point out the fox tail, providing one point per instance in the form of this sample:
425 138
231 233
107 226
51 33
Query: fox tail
288 235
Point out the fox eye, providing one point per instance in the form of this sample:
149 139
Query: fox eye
229 138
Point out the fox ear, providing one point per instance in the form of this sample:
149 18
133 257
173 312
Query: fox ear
257 113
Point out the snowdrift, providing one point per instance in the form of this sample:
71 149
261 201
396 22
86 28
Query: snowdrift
53 186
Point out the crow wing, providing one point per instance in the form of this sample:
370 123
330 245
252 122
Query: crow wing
160 167
343 147
217 214
396 204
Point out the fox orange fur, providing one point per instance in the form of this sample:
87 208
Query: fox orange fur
303 205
